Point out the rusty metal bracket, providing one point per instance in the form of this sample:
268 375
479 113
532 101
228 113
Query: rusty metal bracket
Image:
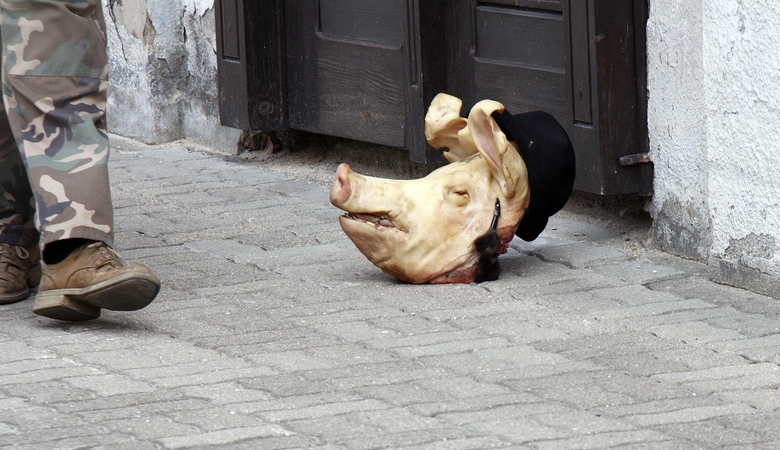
637 158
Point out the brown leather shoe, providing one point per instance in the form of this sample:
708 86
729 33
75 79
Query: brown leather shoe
91 278
20 269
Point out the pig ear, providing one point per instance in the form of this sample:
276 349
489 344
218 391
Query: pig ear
491 142
442 125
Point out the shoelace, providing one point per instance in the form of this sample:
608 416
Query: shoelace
108 257
7 257
6 254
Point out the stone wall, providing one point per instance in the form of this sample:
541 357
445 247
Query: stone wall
714 112
163 71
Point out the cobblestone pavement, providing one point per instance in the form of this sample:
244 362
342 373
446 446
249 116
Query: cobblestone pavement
272 331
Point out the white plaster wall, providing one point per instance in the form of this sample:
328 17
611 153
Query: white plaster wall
677 127
163 71
714 116
742 65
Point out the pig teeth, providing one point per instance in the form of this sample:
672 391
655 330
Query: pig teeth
379 221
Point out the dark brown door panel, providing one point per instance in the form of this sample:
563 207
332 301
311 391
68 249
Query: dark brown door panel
367 70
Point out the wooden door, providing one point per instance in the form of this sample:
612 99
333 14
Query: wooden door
251 63
512 51
356 69
367 70
575 59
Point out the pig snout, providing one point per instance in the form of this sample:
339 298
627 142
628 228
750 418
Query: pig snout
341 189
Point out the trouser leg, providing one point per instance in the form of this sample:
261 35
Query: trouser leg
55 81
17 206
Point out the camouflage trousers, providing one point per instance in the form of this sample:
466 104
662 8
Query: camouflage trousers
53 140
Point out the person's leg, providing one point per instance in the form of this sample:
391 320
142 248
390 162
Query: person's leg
55 82
20 266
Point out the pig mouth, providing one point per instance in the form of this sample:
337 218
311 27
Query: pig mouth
377 220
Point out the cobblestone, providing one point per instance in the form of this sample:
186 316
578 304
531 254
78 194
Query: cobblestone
273 331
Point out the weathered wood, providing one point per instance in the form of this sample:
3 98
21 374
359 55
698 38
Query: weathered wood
575 59
375 21
427 62
343 85
522 89
252 79
616 100
527 38
361 92
232 67
640 52
612 130
509 54
267 62
230 23
579 24
460 49
546 5
368 71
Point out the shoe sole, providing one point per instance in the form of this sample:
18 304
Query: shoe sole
128 292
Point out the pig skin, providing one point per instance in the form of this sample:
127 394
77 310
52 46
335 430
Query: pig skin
423 230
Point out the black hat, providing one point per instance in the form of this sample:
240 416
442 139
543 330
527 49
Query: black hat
549 158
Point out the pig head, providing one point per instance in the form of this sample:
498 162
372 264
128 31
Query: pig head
441 228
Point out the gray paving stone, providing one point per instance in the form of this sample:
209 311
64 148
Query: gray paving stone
765 424
634 295
657 309
215 418
529 372
327 410
585 397
463 405
24 420
63 440
468 443
690 414
720 379
694 332
580 255
20 351
522 412
616 439
271 330
47 374
110 384
463 387
765 400
402 394
150 428
443 438
293 402
335 430
131 405
713 434
222 437
393 421
519 430
451 347
719 316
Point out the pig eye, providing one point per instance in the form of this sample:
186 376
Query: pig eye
460 197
